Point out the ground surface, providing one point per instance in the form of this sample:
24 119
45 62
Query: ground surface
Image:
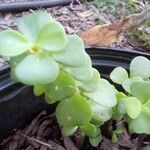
43 133
76 19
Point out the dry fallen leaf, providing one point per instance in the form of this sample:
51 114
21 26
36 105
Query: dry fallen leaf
104 35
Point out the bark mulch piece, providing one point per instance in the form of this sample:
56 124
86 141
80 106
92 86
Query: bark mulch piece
43 133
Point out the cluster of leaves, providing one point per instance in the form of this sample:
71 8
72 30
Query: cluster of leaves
134 107
57 65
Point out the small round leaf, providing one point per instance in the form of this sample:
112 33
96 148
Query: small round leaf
63 87
12 43
141 90
140 66
31 24
37 69
133 107
51 37
74 111
118 75
91 85
128 82
104 94
74 54
83 73
141 124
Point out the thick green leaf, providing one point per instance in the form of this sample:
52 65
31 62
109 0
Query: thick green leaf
120 96
39 90
63 87
74 111
133 107
90 130
127 83
83 73
119 131
114 138
68 131
141 90
30 24
14 61
140 66
37 69
74 53
49 100
146 107
118 75
94 141
90 86
141 124
51 37
104 94
101 113
121 107
12 43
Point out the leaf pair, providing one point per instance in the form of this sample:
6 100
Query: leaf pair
139 71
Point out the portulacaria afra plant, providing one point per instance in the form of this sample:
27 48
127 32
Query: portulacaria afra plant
57 65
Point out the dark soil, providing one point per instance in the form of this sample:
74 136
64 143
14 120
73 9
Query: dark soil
43 133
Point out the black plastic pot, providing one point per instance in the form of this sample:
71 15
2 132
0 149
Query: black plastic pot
18 105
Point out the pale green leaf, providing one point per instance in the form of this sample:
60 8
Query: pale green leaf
39 90
30 24
90 130
146 107
51 37
49 100
94 141
12 43
140 66
73 54
63 87
37 69
68 131
91 85
83 73
118 75
120 96
101 113
114 138
14 61
141 90
104 94
127 83
133 107
141 124
74 111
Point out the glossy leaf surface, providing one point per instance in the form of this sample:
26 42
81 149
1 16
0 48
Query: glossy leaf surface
118 75
12 43
141 90
73 54
51 37
140 66
74 111
63 87
104 94
35 70
91 85
31 24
